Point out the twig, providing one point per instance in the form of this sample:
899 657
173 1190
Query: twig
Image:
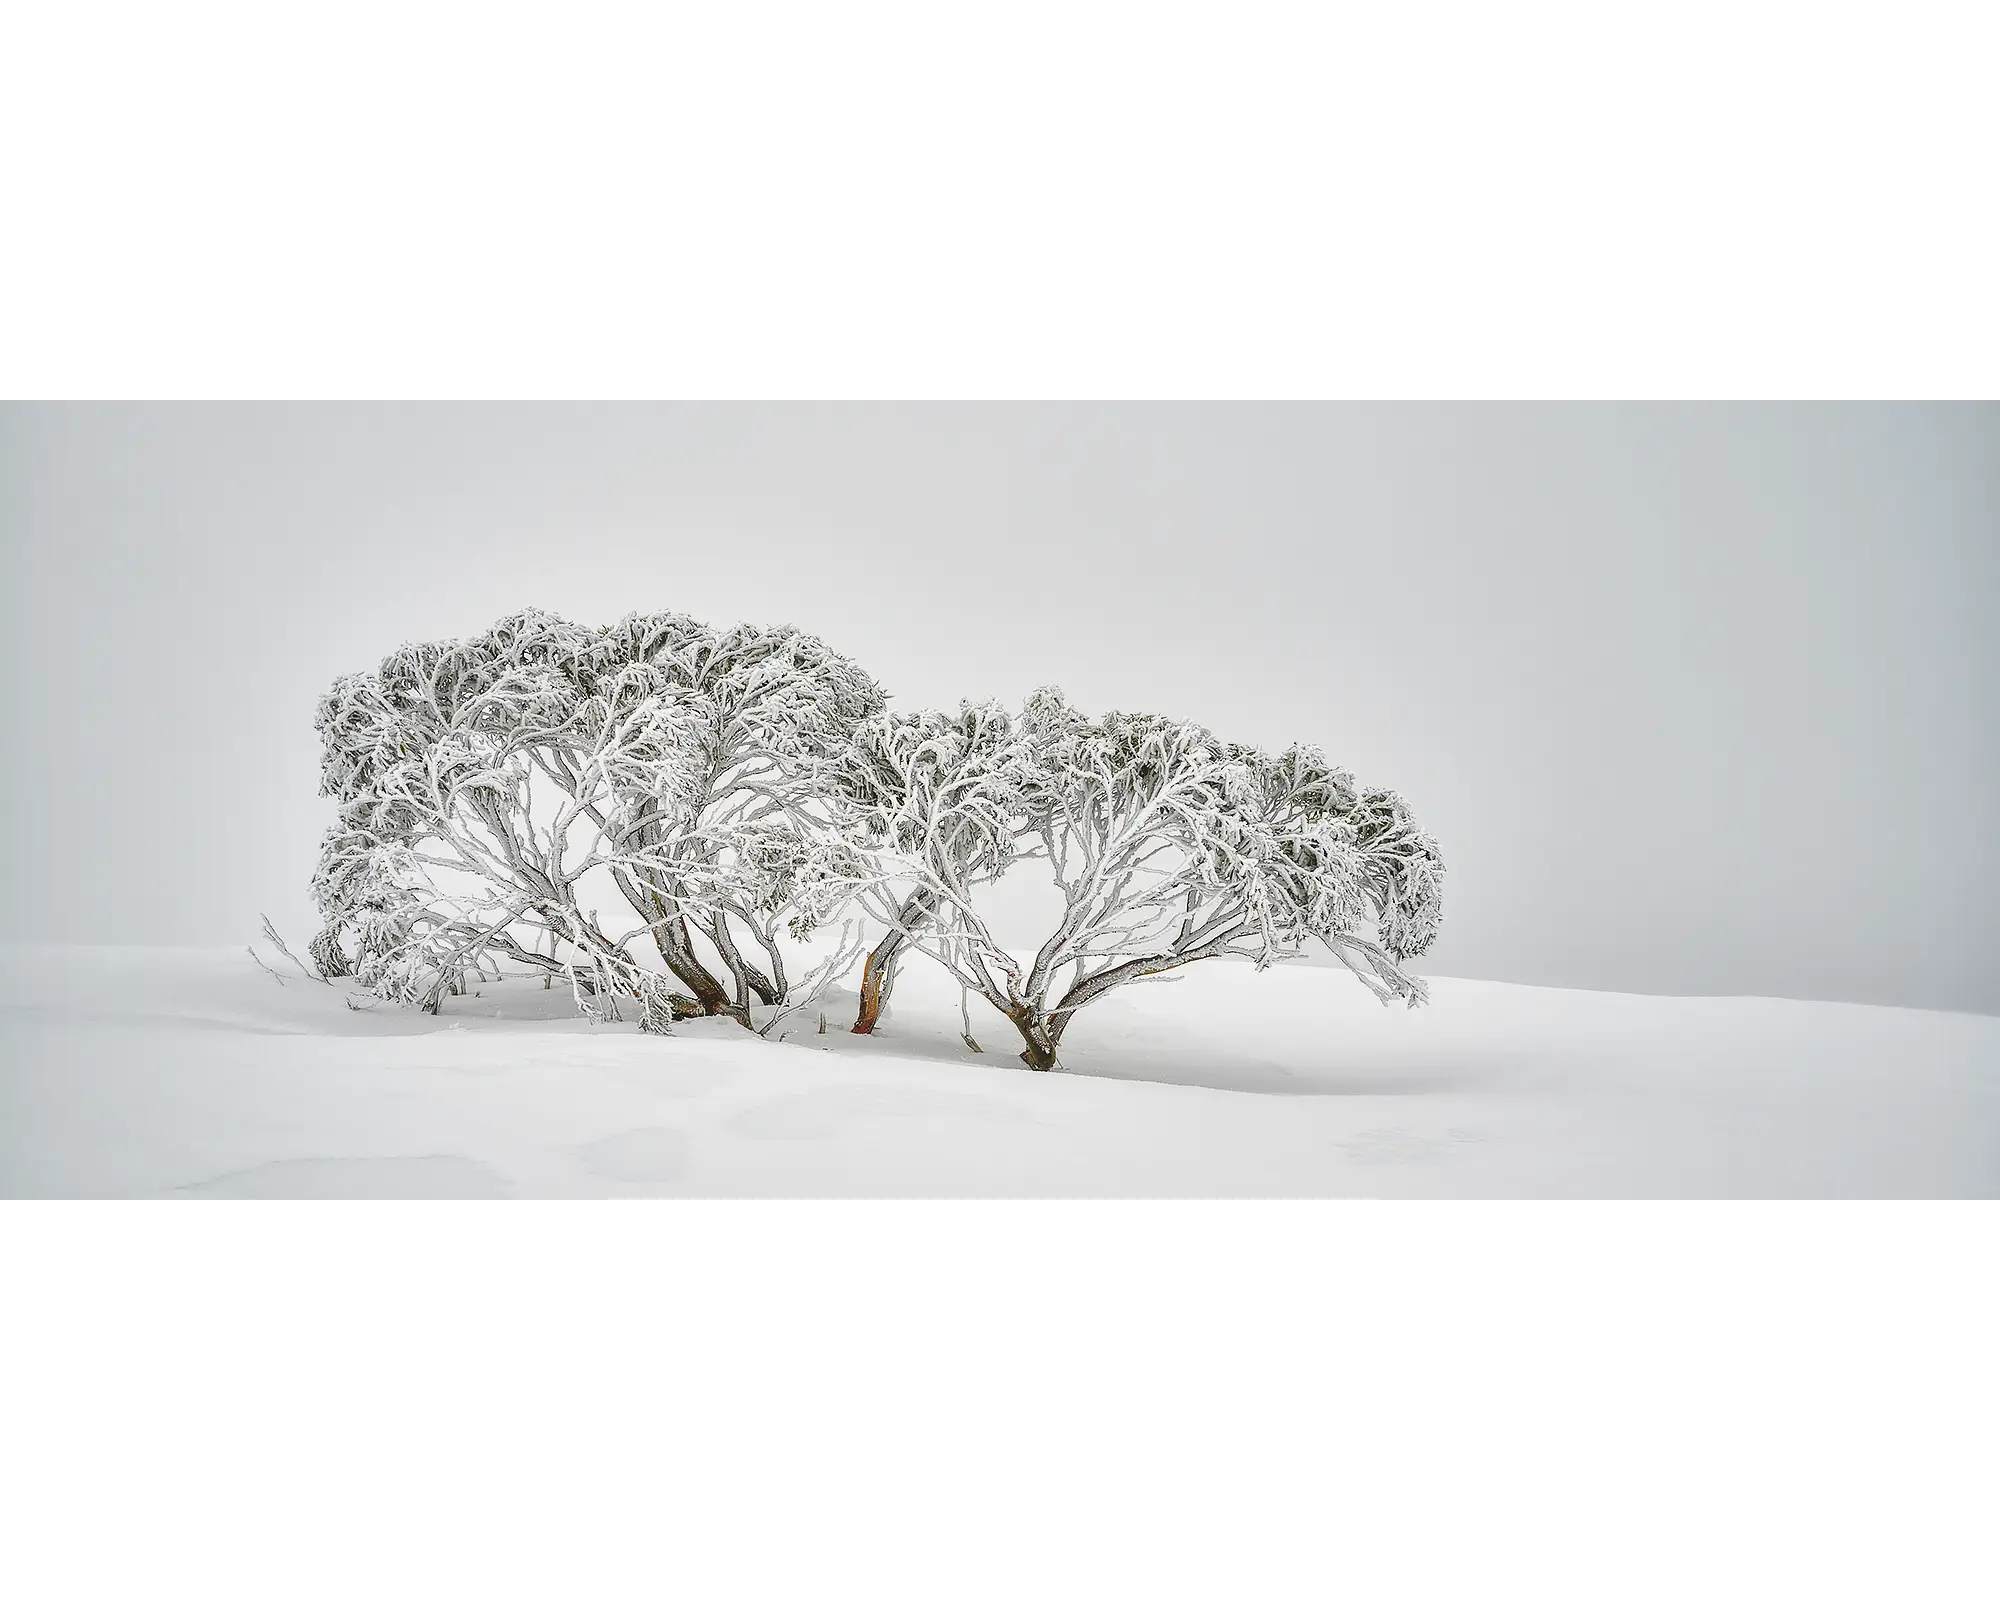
271 933
252 954
814 985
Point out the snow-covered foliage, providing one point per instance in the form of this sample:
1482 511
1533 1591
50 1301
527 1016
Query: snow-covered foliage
736 786
482 781
1169 845
945 793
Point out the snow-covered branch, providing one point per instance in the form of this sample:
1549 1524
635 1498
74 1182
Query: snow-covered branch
484 782
1169 845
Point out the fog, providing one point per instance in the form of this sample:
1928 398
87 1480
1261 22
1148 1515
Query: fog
1697 698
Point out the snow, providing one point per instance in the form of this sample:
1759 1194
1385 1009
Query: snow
153 1072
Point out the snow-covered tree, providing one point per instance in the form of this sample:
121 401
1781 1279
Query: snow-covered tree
481 782
938 789
1169 846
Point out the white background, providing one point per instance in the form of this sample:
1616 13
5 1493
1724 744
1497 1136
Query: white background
1748 200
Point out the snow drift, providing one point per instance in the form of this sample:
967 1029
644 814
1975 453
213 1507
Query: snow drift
129 1072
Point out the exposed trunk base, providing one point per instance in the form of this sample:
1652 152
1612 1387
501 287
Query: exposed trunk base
1044 1033
677 950
878 973
1040 1035
878 977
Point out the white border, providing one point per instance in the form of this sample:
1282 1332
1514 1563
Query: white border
1083 199
970 1399
1740 200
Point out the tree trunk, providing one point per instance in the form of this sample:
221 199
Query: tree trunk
677 950
1043 1033
747 977
780 988
878 973
1039 1034
675 946
878 976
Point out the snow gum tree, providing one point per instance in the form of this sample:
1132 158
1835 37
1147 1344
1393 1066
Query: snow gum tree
729 786
1169 846
944 793
481 782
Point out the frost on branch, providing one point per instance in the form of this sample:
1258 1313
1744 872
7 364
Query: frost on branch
733 787
481 782
1169 845
947 792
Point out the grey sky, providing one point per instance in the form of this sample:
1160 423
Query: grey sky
1697 698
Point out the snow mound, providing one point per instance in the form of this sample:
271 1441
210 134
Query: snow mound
149 1072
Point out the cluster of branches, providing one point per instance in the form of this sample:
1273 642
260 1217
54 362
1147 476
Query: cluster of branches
482 783
1169 846
738 785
